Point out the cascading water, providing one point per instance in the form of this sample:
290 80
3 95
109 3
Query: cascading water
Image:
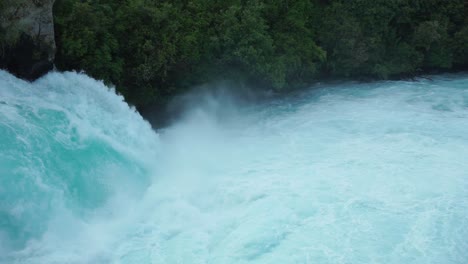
345 173
72 152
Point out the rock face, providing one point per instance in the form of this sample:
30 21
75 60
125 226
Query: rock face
27 37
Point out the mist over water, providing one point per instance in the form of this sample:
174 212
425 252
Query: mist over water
343 173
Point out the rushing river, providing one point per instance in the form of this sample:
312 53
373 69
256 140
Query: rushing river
344 173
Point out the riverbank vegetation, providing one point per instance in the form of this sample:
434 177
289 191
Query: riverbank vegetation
151 50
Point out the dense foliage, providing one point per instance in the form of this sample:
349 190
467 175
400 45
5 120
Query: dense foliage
152 49
9 31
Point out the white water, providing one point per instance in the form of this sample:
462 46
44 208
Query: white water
346 173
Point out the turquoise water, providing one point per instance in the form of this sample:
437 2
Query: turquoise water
343 173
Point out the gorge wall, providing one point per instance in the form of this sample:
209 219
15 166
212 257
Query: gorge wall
27 39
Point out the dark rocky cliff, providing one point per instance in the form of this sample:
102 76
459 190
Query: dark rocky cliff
27 37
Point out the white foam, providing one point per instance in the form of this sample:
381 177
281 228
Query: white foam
349 173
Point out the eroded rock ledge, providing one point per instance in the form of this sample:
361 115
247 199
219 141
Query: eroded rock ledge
27 37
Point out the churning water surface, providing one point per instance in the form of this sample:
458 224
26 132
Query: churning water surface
344 173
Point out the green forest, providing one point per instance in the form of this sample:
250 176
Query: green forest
151 50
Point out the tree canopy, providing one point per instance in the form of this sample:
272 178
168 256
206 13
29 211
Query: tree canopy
151 50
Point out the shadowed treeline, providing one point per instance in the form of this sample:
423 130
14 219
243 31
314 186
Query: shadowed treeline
152 50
